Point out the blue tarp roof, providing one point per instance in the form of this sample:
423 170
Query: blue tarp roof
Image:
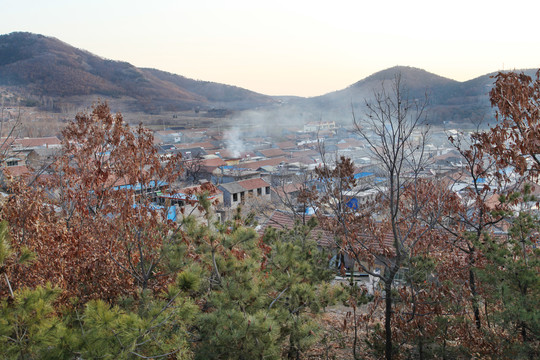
353 204
136 187
180 196
171 211
362 174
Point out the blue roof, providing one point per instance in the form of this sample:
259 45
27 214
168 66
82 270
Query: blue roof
171 211
353 204
362 174
136 187
180 196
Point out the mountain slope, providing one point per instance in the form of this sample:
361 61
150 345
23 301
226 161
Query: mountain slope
449 100
47 66
43 68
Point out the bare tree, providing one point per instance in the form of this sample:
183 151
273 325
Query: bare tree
384 233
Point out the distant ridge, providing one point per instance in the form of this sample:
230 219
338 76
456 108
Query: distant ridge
42 68
45 66
450 101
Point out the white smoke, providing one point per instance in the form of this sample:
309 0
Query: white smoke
234 142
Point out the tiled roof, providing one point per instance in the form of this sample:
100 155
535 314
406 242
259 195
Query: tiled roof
232 187
258 164
286 145
303 153
285 220
19 170
210 165
30 142
251 184
33 142
244 185
213 162
205 145
227 154
270 153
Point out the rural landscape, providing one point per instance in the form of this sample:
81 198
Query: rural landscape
147 215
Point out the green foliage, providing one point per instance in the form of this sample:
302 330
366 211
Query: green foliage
155 329
237 334
29 327
188 281
267 295
5 248
298 271
233 296
512 275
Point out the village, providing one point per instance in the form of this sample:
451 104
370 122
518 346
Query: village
259 173
337 195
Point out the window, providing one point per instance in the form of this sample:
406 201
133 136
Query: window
234 197
242 195
268 190
12 162
259 191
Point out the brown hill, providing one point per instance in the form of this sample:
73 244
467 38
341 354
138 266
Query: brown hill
450 101
45 66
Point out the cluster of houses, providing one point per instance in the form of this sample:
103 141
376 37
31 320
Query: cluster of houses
20 156
265 174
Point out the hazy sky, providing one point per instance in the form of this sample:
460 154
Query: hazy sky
291 47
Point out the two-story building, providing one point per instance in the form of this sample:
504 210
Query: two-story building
238 192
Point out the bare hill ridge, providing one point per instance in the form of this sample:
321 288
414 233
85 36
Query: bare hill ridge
41 67
45 66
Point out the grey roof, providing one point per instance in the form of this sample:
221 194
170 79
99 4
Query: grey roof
232 188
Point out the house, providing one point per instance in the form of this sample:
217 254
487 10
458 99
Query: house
206 145
254 165
286 145
318 126
237 193
36 143
192 153
209 165
168 136
271 153
185 200
282 220
228 174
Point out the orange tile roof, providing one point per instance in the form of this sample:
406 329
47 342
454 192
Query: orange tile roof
213 162
43 141
251 184
286 145
29 142
19 170
270 153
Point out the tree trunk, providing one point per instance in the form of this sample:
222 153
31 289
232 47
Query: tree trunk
387 319
476 310
355 341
